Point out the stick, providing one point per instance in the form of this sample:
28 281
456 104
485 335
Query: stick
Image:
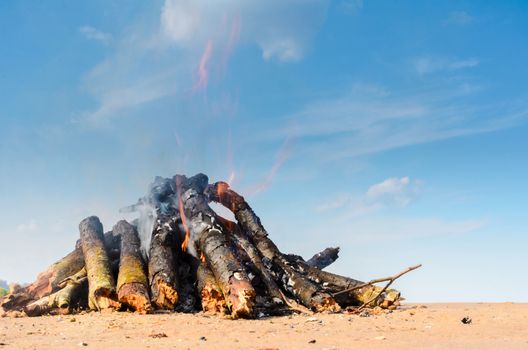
389 279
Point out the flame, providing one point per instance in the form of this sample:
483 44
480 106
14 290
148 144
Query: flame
221 188
202 257
281 157
234 37
203 74
185 242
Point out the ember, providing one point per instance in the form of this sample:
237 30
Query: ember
196 260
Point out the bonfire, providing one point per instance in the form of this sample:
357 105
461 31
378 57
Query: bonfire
181 256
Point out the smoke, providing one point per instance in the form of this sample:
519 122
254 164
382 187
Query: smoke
145 226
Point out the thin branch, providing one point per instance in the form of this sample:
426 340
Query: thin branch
389 279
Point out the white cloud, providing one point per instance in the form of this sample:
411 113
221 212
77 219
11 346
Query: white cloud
179 20
395 190
95 34
459 18
30 226
390 193
428 64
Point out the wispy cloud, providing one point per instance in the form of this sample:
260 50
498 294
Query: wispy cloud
390 193
459 18
430 64
366 120
30 226
143 67
92 33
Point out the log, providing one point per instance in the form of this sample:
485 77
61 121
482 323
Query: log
211 297
101 292
163 255
132 284
63 299
46 283
310 294
271 288
334 283
211 240
324 259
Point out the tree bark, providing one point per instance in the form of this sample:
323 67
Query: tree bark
101 283
132 284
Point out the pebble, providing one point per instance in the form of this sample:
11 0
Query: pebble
312 341
364 313
311 319
202 338
380 337
466 320
83 344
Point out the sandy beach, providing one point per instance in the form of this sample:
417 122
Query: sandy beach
414 326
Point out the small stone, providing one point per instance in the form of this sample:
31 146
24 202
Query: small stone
380 337
158 335
311 319
312 341
83 344
73 319
202 338
364 313
466 320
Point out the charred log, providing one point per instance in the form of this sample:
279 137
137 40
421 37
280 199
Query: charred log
310 294
271 288
163 277
324 259
211 240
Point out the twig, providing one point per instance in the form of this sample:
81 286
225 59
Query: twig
389 279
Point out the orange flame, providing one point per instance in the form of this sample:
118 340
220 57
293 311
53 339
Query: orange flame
203 74
282 156
202 258
234 37
185 242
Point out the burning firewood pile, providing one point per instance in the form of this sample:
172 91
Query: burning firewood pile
179 255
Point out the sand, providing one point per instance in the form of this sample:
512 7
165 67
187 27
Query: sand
428 326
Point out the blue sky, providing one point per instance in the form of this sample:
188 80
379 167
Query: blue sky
395 130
